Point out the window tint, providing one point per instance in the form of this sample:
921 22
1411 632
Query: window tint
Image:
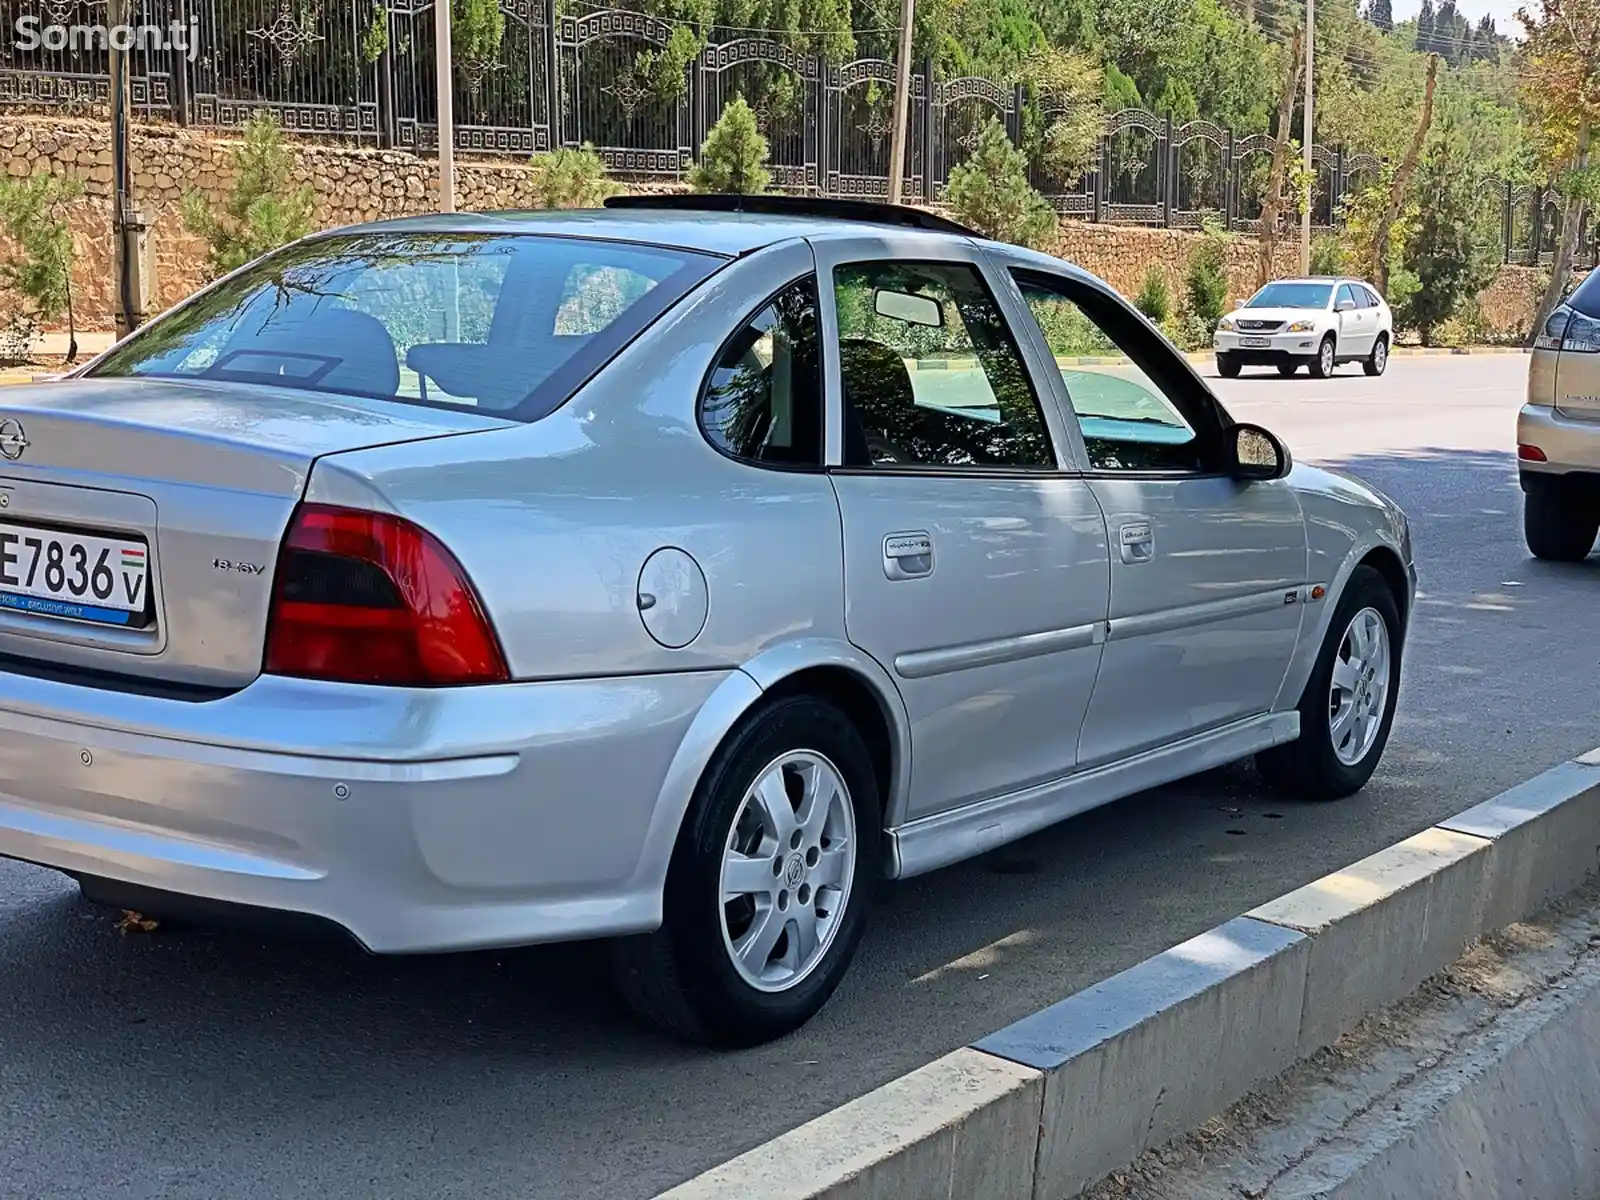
932 376
1587 298
763 400
1346 295
1291 295
1127 421
1369 297
506 323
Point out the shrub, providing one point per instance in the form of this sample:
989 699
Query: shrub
40 269
1328 255
569 178
1206 279
734 157
1187 331
991 193
263 212
1155 300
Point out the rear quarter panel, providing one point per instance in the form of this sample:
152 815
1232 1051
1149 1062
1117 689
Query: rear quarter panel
554 520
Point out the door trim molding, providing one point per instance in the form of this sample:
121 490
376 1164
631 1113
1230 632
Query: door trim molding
949 837
1205 613
921 664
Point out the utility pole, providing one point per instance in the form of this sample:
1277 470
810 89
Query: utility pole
122 229
902 104
1305 139
444 75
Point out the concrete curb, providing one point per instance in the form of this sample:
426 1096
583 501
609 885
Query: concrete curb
1132 1061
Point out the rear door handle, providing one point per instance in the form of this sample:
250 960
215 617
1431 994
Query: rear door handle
908 555
1137 542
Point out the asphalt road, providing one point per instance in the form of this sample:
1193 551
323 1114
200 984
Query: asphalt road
191 1064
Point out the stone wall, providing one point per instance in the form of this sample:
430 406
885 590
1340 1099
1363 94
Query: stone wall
354 185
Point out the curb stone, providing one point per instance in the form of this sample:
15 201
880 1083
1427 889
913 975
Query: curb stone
1162 1047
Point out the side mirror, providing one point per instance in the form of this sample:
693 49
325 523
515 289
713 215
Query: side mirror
1255 454
1344 306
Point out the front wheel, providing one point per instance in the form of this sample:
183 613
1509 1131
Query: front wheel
1323 364
1286 369
1378 360
1559 527
1227 366
1347 708
767 894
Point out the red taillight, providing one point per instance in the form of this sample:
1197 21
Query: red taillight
365 597
1531 453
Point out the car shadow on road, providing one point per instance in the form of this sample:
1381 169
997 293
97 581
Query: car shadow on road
166 1062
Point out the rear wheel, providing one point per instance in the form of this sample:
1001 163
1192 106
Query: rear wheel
1287 369
1324 363
1227 366
767 893
1347 708
1559 527
1378 360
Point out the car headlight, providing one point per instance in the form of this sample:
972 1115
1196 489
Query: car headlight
1302 326
1225 325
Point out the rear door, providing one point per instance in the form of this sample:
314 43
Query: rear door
976 564
1355 322
1206 571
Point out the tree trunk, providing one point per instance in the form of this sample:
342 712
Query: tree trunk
1378 267
1571 223
1272 202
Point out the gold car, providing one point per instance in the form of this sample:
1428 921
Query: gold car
1558 431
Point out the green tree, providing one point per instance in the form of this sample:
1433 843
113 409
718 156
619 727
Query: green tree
1381 14
570 178
991 193
1155 299
1205 280
1450 253
33 216
734 156
1064 145
264 210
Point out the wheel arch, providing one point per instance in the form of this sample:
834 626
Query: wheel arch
832 669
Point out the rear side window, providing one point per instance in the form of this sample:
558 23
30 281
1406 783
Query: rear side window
506 324
763 399
1587 298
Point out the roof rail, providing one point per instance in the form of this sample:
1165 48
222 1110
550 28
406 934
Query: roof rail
868 211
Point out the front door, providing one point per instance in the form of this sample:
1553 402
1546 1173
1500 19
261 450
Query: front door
976 563
1206 571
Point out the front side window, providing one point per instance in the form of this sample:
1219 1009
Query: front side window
1127 420
507 324
1292 295
932 376
1346 296
763 399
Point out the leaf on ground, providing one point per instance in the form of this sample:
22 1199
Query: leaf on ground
136 922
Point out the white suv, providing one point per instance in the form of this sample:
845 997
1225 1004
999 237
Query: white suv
1321 322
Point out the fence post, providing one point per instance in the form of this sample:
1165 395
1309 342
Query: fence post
1508 220
1537 252
1336 187
552 73
1228 189
387 125
1016 115
1165 172
927 130
1101 178
182 107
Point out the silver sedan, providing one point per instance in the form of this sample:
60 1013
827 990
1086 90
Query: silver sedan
667 574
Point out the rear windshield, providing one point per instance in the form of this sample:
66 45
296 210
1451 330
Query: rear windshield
508 324
1587 298
1291 295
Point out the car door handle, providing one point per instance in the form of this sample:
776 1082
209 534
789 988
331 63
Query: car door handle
1137 541
908 555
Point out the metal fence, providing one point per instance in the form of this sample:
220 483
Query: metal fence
566 75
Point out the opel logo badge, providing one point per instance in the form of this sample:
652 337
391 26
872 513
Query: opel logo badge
12 440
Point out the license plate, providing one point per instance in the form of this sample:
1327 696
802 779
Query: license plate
1256 343
74 575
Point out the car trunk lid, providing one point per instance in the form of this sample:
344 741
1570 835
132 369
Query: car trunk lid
140 519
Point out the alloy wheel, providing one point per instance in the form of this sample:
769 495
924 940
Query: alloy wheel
787 871
1358 697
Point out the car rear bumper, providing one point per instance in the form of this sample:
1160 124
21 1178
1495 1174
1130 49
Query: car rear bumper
1570 449
416 820
1280 348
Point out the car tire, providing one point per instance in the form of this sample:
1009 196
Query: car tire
1287 369
1559 528
1228 366
687 978
1332 759
1326 362
1378 361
